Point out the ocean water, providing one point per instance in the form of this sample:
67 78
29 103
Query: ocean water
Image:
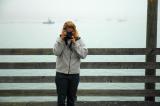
112 33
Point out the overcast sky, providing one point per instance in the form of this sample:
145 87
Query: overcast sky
37 9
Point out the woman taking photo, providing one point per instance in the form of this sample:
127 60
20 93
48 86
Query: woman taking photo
69 49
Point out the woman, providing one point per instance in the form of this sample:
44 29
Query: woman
69 49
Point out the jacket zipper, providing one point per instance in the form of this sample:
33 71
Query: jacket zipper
69 61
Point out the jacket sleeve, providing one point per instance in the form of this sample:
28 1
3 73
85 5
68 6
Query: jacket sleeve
58 46
80 48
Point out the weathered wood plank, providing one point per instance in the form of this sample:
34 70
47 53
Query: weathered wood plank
84 65
91 79
91 51
81 92
83 103
151 40
122 51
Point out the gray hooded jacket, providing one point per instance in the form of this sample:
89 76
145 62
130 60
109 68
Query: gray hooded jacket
68 59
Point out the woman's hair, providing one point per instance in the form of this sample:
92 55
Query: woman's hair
71 25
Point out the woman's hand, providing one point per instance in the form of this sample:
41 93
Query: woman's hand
73 39
63 35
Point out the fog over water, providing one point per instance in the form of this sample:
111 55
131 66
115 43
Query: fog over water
101 24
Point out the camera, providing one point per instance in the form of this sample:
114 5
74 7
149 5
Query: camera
69 35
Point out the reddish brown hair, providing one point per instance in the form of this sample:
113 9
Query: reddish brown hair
71 25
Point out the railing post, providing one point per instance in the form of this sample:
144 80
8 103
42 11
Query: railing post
151 42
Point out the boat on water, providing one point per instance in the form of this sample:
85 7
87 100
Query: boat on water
122 20
49 22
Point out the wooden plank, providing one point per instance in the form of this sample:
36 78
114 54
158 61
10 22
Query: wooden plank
91 79
123 51
151 41
91 51
26 51
81 92
83 103
84 65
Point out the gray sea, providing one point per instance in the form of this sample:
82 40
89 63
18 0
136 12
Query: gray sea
96 32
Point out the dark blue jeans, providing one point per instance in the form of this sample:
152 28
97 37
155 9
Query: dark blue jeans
66 85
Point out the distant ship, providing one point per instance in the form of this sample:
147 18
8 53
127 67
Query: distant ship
49 22
121 20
